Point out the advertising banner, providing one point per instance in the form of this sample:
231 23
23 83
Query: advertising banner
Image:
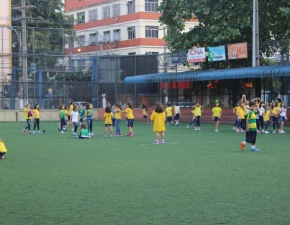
196 55
216 53
238 51
179 56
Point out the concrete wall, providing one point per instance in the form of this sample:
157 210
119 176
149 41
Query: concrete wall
46 115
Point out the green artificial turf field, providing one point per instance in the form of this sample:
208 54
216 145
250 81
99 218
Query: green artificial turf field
197 177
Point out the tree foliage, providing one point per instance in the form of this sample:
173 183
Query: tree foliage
48 29
223 22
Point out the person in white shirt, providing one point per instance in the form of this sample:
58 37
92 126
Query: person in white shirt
283 117
261 115
74 119
177 114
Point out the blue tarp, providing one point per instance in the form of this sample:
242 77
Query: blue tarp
236 73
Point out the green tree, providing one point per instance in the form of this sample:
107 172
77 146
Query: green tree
48 30
221 23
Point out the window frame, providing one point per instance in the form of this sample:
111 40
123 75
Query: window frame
153 31
109 34
131 32
151 5
106 12
131 7
93 13
117 31
83 20
116 10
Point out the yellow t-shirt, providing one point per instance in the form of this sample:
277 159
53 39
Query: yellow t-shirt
267 115
197 110
25 111
275 111
241 113
217 111
158 121
237 110
118 114
36 113
129 113
168 111
65 112
108 118
71 107
2 147
144 112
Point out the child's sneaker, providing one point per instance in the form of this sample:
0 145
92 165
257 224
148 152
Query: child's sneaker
111 136
33 132
29 132
38 132
267 132
155 142
258 131
120 135
61 132
234 128
23 131
274 131
255 149
187 126
2 157
242 145
162 142
92 133
263 131
216 130
105 136
237 130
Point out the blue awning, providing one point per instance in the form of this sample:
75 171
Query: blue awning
236 73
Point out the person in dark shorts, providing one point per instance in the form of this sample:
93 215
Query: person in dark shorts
251 129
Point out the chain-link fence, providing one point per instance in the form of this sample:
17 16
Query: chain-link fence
60 76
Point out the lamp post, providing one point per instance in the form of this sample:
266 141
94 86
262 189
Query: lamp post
24 62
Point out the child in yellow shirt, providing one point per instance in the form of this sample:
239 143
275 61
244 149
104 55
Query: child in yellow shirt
266 115
3 149
158 118
216 115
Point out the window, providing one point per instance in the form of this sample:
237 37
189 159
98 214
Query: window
151 5
132 53
106 12
117 35
107 36
116 10
93 14
81 17
151 53
151 31
131 33
93 39
81 40
131 6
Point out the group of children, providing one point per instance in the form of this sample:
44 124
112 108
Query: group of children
75 117
273 113
112 118
30 113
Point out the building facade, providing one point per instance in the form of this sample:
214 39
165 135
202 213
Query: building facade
123 27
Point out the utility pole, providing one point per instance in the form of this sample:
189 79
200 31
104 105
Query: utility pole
165 68
256 53
23 9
